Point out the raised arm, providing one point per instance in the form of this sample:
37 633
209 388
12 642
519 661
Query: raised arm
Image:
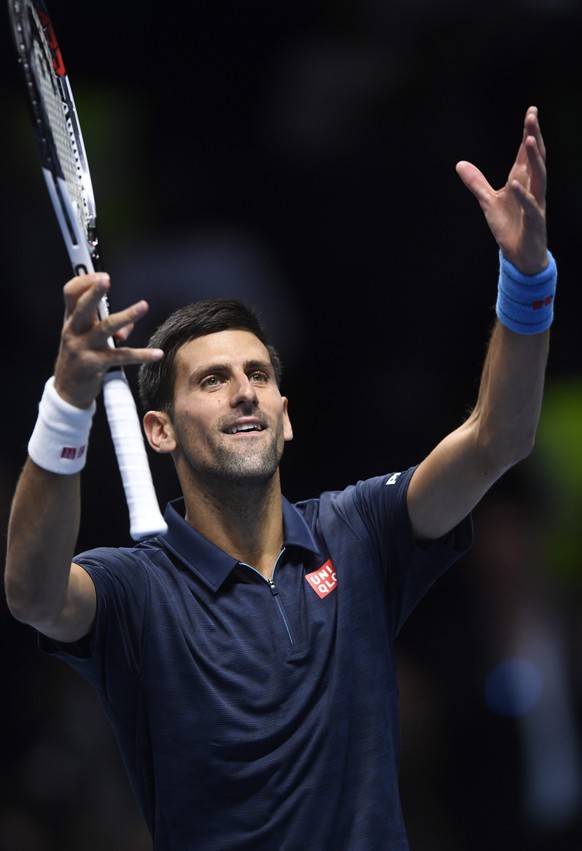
501 429
43 587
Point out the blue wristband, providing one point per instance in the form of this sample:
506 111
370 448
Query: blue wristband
525 303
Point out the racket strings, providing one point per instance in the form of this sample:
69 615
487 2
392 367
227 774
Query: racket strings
58 116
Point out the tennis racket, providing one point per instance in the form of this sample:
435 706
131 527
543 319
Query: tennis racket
64 165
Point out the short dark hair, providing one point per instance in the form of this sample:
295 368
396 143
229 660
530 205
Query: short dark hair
208 316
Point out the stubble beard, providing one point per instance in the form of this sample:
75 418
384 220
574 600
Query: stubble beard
225 471
246 468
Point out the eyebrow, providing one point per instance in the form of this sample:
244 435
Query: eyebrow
259 364
225 366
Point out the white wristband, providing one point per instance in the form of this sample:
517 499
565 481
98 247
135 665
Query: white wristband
61 434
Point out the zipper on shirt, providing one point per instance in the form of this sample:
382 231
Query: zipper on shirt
275 592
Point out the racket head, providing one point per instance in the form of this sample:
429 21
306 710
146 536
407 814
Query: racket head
57 131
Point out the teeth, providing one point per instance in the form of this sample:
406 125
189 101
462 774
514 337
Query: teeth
249 427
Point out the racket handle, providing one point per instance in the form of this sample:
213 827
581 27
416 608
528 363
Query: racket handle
145 518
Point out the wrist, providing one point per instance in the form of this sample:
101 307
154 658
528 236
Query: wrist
525 303
61 434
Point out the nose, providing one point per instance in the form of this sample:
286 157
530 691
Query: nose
243 392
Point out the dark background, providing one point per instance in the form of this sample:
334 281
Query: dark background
301 156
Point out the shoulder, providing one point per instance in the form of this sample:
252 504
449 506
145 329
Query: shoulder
122 566
370 502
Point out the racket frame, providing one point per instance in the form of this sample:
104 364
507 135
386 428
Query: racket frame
77 221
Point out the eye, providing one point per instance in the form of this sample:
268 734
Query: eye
258 377
211 381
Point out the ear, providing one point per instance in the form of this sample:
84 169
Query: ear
159 432
287 427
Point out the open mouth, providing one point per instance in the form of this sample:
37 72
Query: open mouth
245 428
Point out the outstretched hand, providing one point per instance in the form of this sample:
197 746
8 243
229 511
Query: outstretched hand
86 353
516 214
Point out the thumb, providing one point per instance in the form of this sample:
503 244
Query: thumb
474 180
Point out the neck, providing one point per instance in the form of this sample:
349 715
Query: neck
246 521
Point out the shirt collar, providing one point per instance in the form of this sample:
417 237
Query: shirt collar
207 560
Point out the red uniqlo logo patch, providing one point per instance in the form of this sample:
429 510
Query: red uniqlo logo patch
541 302
72 452
323 580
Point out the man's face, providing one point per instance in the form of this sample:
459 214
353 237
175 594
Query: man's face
229 419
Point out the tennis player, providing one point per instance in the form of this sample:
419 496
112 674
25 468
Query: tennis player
245 659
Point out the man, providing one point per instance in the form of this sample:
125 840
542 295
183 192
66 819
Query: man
245 658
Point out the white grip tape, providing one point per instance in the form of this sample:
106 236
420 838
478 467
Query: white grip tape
144 512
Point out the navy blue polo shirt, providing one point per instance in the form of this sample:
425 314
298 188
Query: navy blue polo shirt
262 715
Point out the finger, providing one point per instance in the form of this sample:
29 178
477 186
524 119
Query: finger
532 127
126 356
97 333
78 287
474 180
528 202
122 335
537 170
120 324
84 313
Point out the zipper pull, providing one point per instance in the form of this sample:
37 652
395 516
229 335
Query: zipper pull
273 587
